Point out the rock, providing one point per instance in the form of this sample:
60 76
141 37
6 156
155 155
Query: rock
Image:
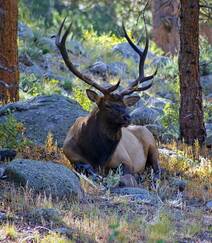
179 183
157 102
24 32
3 217
136 193
76 48
209 205
38 215
144 115
128 180
207 220
34 69
64 231
7 154
117 69
25 59
49 177
44 114
99 68
156 129
46 44
127 52
209 141
206 82
160 61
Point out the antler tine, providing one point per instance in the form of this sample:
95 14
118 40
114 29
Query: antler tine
61 46
142 54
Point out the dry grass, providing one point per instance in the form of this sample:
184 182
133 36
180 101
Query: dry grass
104 217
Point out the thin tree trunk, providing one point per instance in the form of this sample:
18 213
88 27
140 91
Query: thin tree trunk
9 74
191 110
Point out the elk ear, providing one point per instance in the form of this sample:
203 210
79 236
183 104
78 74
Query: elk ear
92 95
131 100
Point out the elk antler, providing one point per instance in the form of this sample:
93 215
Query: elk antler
134 86
61 46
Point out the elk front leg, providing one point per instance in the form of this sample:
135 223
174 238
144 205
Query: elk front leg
152 160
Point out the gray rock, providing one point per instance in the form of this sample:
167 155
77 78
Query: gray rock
157 102
160 61
64 231
46 44
179 183
209 205
24 32
117 69
98 68
127 52
206 82
144 116
3 216
44 114
75 47
34 69
136 193
49 177
38 215
156 129
209 140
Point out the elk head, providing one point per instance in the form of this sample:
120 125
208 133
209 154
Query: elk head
112 104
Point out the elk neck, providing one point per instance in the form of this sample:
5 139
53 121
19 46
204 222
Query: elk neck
100 139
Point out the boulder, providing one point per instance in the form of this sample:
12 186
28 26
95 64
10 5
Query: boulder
117 69
44 114
144 116
160 61
99 68
209 205
137 194
52 178
38 215
206 82
76 48
46 44
24 32
127 52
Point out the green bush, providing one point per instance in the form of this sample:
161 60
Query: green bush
80 96
12 134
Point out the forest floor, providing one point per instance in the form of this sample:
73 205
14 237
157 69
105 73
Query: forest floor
103 216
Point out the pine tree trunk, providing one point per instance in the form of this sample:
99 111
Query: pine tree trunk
9 74
191 110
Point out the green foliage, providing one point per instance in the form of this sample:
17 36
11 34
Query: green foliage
81 98
170 118
100 46
12 133
161 230
33 86
205 56
208 111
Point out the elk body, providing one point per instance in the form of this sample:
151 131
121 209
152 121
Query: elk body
105 137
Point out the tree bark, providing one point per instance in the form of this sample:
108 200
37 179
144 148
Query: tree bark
192 126
165 25
9 74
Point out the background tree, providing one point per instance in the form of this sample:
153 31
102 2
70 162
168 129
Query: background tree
191 110
165 24
9 75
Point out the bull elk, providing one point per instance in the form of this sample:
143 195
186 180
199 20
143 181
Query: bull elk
105 138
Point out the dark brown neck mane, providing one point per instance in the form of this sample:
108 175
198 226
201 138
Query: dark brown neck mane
98 139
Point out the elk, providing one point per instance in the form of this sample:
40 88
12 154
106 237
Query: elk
105 138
